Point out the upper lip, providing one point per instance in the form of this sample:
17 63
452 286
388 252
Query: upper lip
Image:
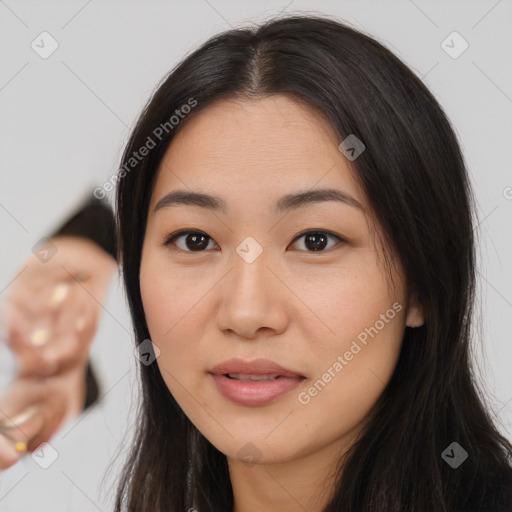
255 367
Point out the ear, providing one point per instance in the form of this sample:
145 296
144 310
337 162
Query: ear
415 316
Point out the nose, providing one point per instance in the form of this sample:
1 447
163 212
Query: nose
253 300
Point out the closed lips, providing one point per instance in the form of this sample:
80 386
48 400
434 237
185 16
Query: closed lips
258 369
248 376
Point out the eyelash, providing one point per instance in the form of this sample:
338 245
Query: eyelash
170 239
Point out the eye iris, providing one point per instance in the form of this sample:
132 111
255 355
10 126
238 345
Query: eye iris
195 237
316 241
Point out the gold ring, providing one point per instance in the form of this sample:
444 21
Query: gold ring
22 417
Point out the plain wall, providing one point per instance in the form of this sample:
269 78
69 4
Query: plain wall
64 121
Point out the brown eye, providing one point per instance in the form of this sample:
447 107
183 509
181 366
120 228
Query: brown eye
194 241
318 241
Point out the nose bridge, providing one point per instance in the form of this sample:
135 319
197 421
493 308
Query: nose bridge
249 273
250 299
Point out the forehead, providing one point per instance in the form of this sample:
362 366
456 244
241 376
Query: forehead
256 148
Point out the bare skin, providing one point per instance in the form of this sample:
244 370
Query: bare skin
296 306
83 272
51 317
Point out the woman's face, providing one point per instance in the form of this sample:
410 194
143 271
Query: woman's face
251 285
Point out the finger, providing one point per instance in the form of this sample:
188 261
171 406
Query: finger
9 454
59 336
26 334
74 331
15 324
26 341
26 329
19 331
32 410
43 302
24 425
33 296
22 412
52 414
18 431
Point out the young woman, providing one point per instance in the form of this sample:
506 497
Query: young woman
296 239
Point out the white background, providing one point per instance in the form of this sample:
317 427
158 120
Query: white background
64 121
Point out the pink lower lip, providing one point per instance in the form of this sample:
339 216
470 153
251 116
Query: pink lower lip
256 392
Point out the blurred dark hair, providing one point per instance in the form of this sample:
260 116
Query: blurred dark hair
414 177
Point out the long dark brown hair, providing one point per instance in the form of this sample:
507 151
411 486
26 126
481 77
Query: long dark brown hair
413 174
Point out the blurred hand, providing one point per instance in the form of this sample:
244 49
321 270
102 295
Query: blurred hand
51 316
34 409
54 307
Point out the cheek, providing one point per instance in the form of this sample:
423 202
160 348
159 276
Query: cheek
175 315
356 354
170 298
344 301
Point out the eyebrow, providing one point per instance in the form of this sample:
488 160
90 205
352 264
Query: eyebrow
284 204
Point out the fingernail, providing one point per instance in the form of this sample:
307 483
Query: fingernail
60 292
39 337
20 446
